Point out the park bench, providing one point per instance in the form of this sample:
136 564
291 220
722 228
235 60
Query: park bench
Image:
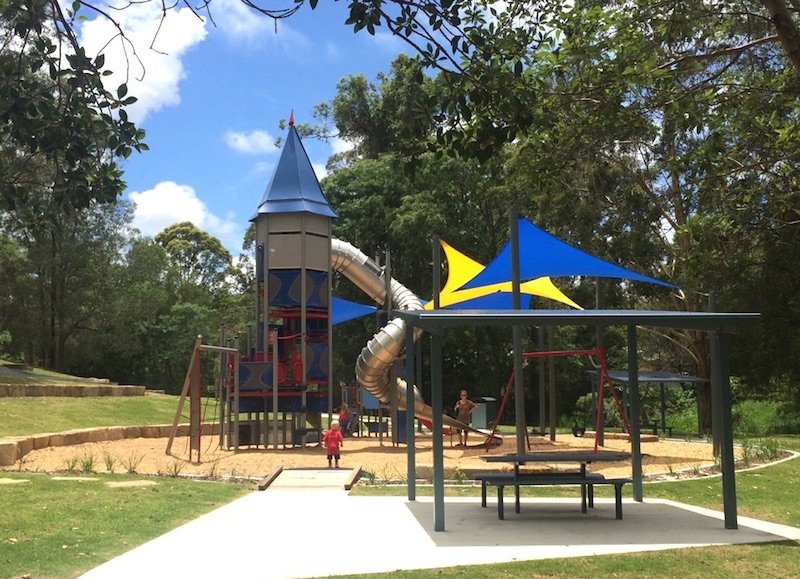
656 427
585 481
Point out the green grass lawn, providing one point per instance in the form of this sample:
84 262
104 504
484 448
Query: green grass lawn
62 528
33 415
38 376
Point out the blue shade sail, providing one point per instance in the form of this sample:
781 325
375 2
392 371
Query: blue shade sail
500 300
542 255
344 310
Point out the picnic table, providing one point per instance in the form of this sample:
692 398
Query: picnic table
580 476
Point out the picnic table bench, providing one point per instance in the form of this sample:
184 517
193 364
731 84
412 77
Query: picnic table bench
586 480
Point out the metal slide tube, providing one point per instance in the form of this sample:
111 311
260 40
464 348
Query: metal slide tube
380 353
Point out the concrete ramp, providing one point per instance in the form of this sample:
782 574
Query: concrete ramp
319 478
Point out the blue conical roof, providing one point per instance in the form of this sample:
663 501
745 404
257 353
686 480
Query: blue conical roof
294 186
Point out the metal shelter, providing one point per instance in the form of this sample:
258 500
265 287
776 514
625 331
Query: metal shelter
717 324
664 380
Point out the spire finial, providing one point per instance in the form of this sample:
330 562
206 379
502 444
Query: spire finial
291 118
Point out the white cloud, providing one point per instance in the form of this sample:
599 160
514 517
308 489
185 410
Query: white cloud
339 145
253 143
243 24
320 171
389 43
168 203
150 60
332 51
235 19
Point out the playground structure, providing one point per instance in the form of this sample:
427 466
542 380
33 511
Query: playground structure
604 379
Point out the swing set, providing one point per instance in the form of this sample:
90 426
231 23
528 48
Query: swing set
604 379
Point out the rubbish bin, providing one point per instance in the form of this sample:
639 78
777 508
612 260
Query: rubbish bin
484 413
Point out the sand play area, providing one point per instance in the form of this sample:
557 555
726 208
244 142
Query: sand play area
662 458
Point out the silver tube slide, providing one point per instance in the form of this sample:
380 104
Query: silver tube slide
380 353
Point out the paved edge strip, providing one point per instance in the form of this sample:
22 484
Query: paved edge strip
264 483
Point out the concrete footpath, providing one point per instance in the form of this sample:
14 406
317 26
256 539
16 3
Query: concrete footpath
306 525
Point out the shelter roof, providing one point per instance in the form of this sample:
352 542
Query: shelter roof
657 376
294 187
440 319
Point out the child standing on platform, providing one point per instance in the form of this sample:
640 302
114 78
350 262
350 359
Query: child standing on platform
333 440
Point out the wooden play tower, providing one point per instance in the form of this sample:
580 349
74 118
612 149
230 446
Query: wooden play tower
275 392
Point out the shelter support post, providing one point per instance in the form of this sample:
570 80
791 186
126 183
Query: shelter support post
410 446
636 441
721 399
418 371
551 378
600 342
438 437
540 367
516 332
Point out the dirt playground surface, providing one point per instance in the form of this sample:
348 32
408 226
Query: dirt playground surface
385 461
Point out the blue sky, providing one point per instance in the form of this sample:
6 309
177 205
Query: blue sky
211 98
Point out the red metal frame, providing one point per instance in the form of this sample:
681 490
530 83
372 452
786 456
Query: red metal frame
603 380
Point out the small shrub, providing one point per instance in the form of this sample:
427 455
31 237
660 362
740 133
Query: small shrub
459 476
87 463
132 462
175 468
769 448
71 464
684 420
110 461
389 474
757 418
213 472
749 451
370 476
581 415
20 459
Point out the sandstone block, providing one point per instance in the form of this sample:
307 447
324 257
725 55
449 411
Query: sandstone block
150 431
41 441
132 432
8 452
24 446
115 433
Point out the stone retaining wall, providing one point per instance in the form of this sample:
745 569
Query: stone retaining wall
69 390
15 448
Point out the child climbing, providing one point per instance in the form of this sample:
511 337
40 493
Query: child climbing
333 441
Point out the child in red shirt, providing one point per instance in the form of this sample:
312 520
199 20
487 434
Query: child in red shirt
333 441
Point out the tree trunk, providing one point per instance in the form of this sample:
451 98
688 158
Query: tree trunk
786 29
